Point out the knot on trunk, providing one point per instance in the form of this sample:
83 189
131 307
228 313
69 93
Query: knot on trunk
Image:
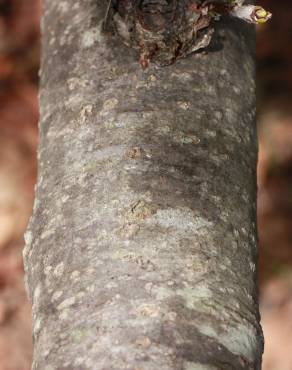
162 30
156 14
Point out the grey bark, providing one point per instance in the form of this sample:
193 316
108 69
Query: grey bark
141 251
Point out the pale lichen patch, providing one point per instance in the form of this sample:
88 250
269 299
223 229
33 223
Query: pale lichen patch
66 303
171 316
184 105
76 82
210 133
75 275
149 310
26 252
28 237
63 6
47 233
90 37
218 115
92 270
237 90
252 266
59 270
78 335
143 342
183 138
36 295
91 288
56 295
144 262
240 340
52 40
111 285
128 230
79 361
48 269
85 113
80 295
64 315
194 296
37 326
182 219
49 367
149 287
65 198
182 76
108 106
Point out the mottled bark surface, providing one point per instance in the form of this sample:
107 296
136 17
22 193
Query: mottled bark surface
141 250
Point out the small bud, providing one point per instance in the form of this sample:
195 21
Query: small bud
260 15
250 13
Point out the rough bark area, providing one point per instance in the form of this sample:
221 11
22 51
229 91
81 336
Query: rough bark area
141 250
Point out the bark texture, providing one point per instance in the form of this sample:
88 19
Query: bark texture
141 251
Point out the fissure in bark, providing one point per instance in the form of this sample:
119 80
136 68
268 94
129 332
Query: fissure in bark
163 31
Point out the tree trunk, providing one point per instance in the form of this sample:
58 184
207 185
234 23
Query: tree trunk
141 251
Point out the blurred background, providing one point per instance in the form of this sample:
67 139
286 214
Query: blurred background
19 63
